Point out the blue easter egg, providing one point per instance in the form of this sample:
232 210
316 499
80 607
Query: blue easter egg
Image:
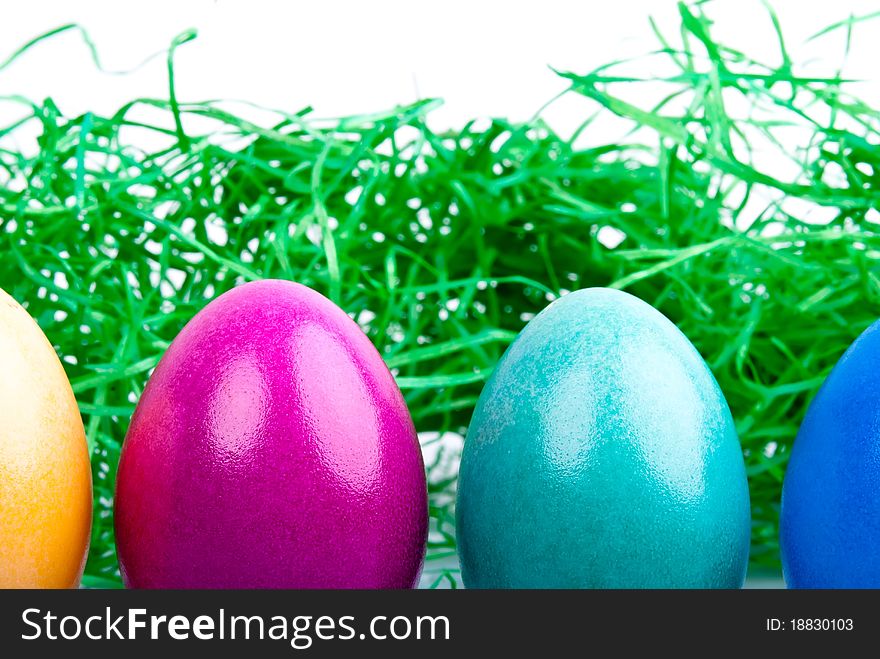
602 454
830 518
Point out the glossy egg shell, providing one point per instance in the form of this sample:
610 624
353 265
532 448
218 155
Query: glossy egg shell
271 448
830 517
45 475
602 454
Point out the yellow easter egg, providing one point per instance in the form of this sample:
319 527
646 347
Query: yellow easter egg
45 476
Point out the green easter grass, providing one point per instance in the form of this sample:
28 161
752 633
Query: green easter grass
442 245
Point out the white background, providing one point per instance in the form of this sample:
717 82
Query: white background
485 58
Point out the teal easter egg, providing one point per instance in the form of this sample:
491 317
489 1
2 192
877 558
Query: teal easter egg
602 454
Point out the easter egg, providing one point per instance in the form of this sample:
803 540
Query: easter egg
602 454
830 516
45 475
271 448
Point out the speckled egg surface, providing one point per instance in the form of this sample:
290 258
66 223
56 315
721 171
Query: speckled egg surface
271 448
602 454
45 475
830 518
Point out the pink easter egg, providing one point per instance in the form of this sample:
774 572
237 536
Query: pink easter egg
271 448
